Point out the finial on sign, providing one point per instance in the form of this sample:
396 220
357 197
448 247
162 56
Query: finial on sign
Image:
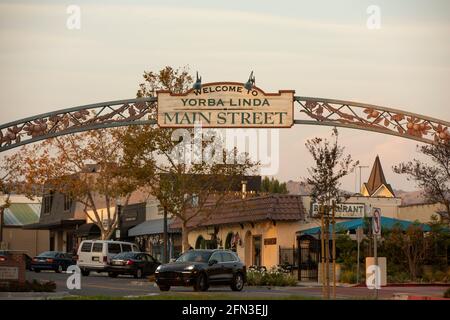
198 83
250 82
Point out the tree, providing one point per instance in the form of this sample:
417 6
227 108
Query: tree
159 157
83 167
433 178
411 246
273 186
330 166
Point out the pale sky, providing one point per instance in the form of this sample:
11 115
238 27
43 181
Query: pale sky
318 48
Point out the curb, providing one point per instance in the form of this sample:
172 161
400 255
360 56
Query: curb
32 295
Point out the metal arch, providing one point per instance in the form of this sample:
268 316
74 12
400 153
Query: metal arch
77 119
362 116
313 111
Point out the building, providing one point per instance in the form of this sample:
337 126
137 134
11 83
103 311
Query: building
149 234
375 193
22 212
259 229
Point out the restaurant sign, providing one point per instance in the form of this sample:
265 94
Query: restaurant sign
343 210
226 105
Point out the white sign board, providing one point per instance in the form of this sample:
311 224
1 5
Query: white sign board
376 221
9 273
343 210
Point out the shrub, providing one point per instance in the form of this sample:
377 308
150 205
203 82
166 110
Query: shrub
447 293
348 276
34 286
399 277
274 277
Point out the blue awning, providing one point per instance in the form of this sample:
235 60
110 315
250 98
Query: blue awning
386 223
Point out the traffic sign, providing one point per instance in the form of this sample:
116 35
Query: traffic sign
376 221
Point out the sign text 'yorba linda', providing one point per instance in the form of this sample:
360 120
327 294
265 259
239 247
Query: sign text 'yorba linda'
226 105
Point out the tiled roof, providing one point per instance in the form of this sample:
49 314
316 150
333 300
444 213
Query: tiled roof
20 214
274 207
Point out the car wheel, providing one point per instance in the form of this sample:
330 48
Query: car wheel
238 282
112 274
85 272
164 288
139 274
201 283
59 269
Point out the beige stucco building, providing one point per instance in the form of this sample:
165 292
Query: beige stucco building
21 212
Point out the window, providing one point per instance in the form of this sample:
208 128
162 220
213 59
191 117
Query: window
67 202
228 257
98 247
113 248
217 256
86 247
126 247
48 202
135 248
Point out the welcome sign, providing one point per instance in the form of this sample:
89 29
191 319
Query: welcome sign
226 105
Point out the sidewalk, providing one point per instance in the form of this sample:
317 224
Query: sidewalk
315 284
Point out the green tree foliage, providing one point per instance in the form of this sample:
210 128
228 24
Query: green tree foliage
273 186
432 177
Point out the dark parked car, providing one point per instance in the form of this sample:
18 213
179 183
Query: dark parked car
138 264
52 260
202 268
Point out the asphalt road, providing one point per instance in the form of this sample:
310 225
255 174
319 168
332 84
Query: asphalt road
125 286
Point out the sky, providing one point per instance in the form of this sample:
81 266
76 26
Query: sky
318 48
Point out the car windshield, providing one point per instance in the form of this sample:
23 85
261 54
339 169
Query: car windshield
195 256
125 255
48 254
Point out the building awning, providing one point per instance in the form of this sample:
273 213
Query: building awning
54 224
87 229
19 214
386 223
150 227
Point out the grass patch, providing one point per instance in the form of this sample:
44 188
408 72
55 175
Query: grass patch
181 296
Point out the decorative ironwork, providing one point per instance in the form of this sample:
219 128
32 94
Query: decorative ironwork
372 118
313 111
82 118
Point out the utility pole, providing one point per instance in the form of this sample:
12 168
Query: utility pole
322 244
166 249
327 251
360 179
333 222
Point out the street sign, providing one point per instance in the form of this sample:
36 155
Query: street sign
359 234
226 105
376 221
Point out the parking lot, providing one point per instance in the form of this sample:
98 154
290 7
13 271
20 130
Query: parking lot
124 286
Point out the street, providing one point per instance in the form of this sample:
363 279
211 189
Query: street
125 286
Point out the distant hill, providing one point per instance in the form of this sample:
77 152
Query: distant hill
408 197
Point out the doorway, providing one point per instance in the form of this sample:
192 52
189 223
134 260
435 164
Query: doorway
257 253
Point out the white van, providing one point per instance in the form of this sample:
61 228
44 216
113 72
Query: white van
95 255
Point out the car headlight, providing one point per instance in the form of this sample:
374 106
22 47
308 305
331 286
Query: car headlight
157 269
189 268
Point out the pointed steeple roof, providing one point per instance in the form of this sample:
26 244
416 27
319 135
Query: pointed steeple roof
377 179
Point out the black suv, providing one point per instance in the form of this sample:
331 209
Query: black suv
202 268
